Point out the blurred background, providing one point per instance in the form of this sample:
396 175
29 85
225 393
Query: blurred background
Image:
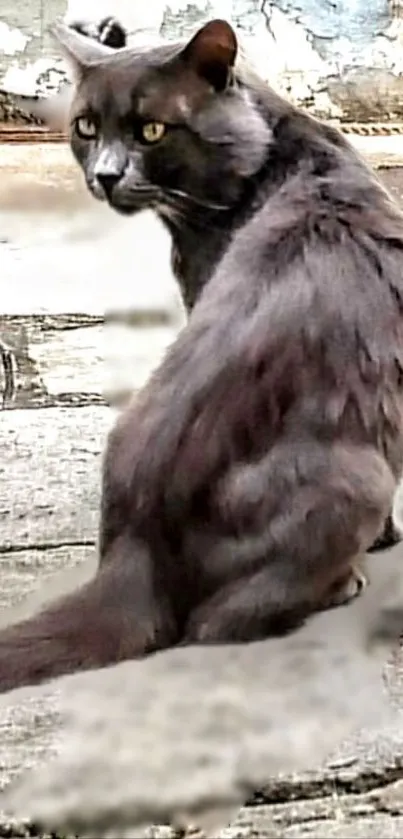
341 58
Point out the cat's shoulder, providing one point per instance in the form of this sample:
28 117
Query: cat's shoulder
108 31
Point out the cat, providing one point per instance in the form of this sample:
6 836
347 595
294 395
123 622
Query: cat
111 33
244 483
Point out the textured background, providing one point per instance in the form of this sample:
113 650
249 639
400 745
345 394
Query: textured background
338 57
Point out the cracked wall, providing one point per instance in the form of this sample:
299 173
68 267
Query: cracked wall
338 58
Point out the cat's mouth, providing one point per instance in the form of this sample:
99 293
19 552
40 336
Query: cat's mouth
128 200
126 208
181 198
146 196
134 200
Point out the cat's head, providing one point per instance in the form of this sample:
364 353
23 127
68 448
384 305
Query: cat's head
168 127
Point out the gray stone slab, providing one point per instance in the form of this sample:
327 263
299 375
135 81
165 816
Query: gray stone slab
187 735
50 475
29 573
75 360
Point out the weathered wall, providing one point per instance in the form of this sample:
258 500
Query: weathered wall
30 20
340 58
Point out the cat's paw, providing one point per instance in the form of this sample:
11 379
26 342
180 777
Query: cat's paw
346 589
109 31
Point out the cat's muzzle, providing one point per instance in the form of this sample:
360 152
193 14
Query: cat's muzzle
122 198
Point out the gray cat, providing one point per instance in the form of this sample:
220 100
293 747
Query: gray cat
243 485
110 32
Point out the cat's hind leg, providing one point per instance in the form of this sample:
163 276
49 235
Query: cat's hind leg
305 513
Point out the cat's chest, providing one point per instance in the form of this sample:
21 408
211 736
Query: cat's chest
188 275
195 256
178 269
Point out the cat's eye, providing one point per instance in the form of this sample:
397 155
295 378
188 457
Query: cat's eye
152 132
86 128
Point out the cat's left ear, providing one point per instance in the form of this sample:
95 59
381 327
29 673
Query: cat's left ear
79 50
212 53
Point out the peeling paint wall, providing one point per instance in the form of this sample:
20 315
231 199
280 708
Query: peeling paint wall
338 58
29 21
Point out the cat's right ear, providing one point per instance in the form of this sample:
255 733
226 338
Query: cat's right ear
212 53
80 51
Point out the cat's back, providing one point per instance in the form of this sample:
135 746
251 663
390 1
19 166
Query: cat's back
310 295
327 233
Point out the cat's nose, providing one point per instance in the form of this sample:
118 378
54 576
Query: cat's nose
108 181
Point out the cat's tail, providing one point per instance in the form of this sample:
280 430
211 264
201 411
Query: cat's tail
93 627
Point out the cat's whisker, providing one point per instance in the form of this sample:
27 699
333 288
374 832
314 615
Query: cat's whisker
148 192
191 200
202 216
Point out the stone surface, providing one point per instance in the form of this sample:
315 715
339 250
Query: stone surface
62 361
33 572
40 452
186 735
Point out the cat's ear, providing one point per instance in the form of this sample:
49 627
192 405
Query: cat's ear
212 53
79 50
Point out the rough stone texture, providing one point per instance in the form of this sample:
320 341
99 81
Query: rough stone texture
30 572
338 59
39 454
186 735
63 361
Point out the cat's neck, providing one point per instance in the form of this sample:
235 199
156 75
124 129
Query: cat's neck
196 250
297 141
198 243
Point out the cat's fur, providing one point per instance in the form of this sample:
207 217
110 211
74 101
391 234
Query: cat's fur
260 461
111 32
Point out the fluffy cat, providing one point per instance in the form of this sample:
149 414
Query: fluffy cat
111 32
243 485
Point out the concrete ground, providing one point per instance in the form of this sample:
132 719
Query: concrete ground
64 260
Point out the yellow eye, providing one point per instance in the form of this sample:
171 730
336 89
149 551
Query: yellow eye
153 132
86 128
